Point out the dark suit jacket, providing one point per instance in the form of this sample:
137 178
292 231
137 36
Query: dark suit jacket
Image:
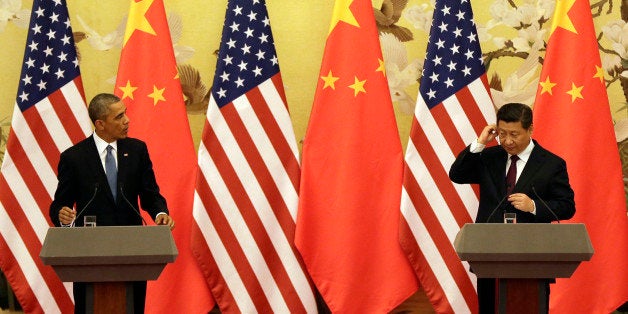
544 171
81 176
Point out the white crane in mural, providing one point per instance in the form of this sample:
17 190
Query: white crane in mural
11 11
114 38
102 42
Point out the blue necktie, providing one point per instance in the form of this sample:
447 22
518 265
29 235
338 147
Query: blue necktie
111 171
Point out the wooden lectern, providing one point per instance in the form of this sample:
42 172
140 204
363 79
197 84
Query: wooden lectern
523 257
108 259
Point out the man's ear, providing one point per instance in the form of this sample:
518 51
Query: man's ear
99 125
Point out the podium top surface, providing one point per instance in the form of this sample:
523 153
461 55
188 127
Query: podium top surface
109 245
523 242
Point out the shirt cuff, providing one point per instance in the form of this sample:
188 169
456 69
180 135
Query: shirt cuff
533 212
476 147
161 213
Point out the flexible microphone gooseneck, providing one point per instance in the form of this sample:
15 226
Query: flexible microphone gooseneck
545 204
498 205
131 205
85 207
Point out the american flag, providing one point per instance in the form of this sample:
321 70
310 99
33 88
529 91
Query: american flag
453 106
50 115
247 188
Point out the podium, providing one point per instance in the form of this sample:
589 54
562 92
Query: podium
523 257
108 259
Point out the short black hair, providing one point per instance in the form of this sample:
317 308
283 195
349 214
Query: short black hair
99 106
515 112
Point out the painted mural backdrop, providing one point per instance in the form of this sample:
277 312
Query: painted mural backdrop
513 35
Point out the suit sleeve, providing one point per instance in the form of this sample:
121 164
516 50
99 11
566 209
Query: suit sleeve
466 167
557 194
65 193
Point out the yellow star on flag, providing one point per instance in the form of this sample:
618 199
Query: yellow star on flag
599 73
381 67
127 90
547 86
157 95
342 12
561 19
330 80
575 92
137 19
357 86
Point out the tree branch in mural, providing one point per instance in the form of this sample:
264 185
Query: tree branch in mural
596 7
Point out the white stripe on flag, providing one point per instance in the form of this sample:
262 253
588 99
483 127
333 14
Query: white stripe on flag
78 106
54 126
35 154
29 206
268 154
483 99
246 240
219 251
430 251
26 263
281 114
285 188
463 126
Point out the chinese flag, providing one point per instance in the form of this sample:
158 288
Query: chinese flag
348 217
572 118
148 84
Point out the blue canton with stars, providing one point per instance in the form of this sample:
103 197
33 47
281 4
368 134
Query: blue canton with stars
50 60
247 52
454 58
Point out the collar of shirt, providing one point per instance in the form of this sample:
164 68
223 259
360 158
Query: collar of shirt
523 159
101 147
525 154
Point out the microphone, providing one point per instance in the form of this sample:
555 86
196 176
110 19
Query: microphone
498 205
131 205
545 204
85 207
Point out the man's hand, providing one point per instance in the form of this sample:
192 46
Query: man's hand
165 220
521 202
66 215
488 134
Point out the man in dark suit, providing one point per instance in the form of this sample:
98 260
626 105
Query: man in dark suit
103 176
527 179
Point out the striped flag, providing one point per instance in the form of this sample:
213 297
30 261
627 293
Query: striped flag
50 115
454 106
247 187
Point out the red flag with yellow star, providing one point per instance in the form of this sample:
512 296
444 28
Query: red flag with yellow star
348 218
572 118
148 84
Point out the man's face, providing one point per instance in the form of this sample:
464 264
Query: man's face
115 125
513 137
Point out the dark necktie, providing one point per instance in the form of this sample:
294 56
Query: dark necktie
511 175
111 171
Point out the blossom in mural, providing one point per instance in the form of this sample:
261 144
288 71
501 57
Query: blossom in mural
400 72
11 11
